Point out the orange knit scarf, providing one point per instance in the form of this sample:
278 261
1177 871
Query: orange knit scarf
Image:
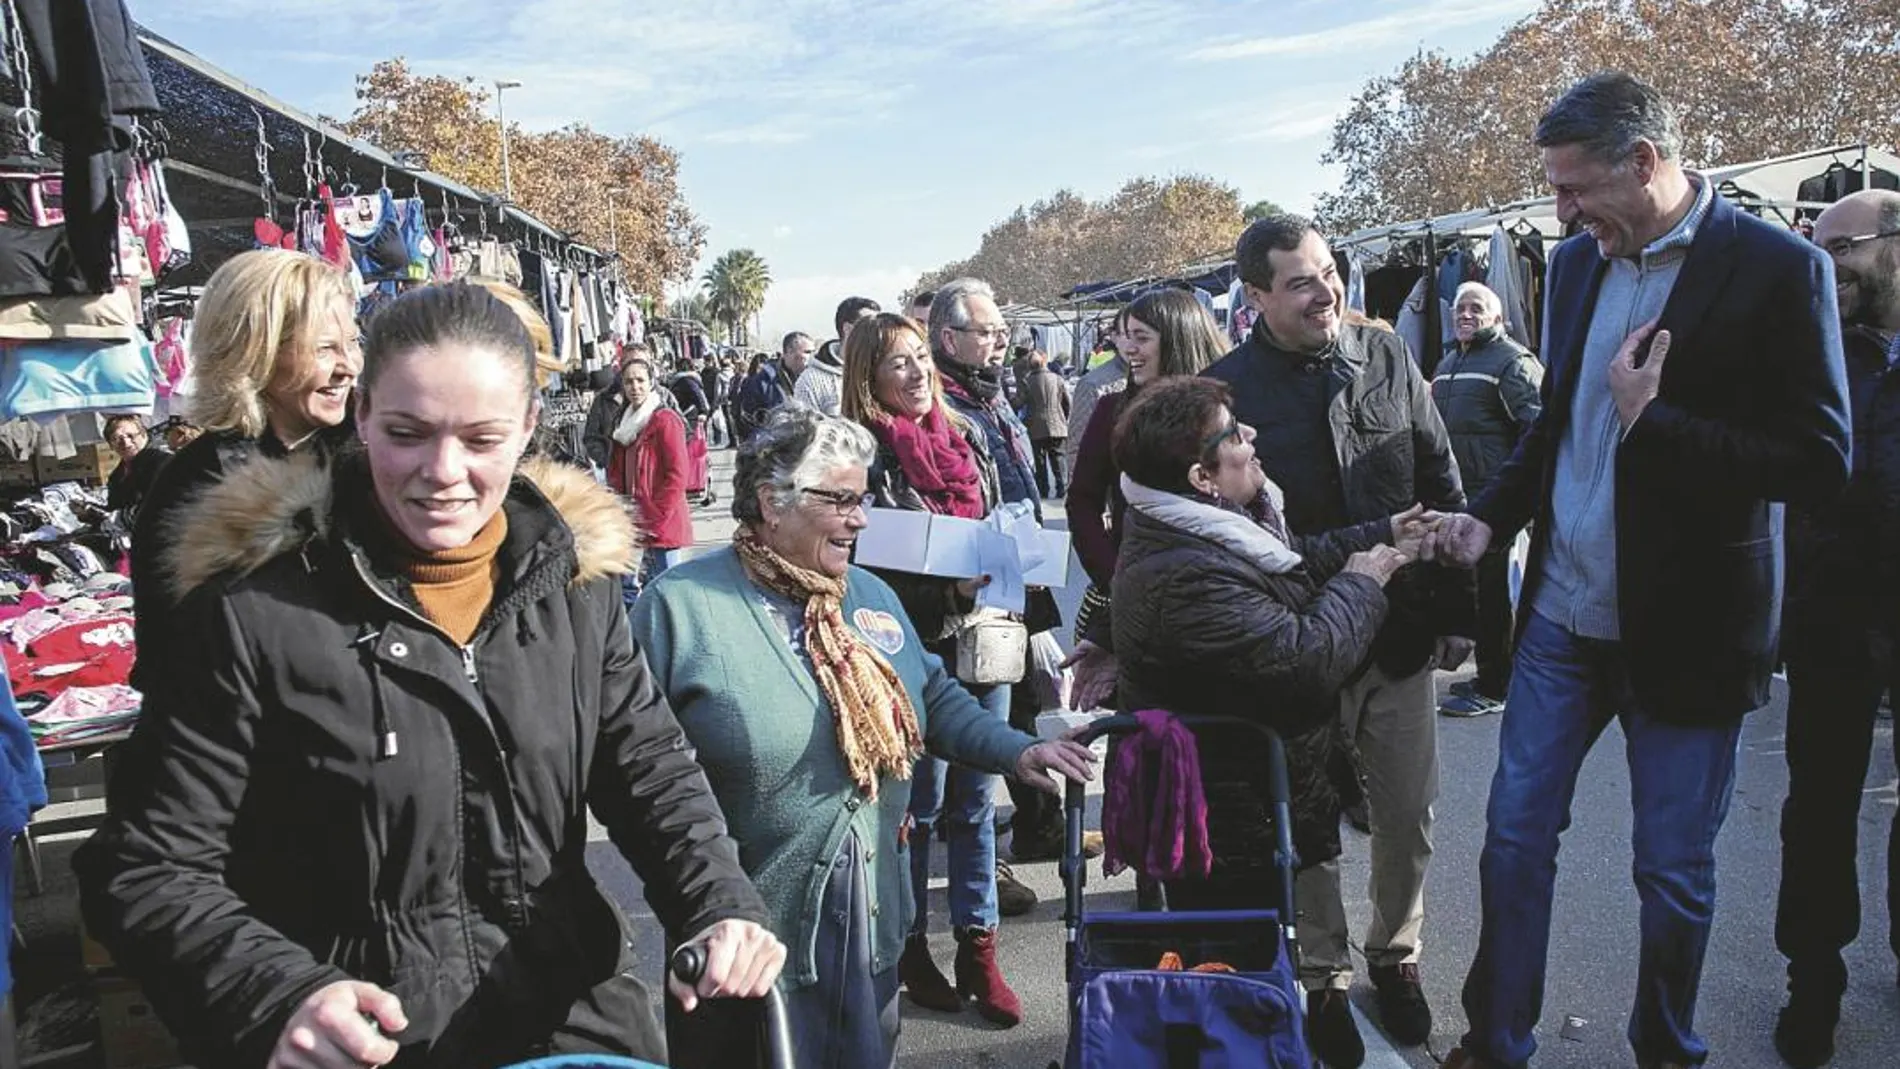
876 723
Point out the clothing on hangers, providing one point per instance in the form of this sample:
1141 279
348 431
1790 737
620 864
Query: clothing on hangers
1411 322
171 355
46 378
92 76
1509 278
97 317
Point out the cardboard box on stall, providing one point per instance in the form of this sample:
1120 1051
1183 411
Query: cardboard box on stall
18 474
91 465
129 1030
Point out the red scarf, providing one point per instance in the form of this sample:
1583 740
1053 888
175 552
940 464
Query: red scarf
936 461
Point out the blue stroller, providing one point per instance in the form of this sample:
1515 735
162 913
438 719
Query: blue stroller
1125 1010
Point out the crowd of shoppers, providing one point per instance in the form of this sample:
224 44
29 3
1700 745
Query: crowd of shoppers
347 832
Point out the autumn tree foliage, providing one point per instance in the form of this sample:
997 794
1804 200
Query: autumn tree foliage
1149 226
1750 79
566 178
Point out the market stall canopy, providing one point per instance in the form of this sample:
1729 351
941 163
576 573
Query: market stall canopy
1212 276
211 122
1772 185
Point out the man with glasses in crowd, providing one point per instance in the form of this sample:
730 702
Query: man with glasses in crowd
1840 630
1695 380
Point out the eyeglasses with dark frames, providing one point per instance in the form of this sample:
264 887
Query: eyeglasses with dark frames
988 334
1230 433
843 502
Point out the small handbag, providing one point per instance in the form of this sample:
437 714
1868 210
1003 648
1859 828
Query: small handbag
992 648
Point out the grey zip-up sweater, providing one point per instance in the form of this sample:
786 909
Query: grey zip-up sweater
1578 591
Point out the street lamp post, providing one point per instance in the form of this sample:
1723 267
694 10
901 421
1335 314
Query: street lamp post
507 179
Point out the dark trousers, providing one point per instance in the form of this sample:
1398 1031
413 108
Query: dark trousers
1049 469
1836 676
1037 815
1495 624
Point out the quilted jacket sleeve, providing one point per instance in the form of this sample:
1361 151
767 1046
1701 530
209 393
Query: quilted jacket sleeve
152 879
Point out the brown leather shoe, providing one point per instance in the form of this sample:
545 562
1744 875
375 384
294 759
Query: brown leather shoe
978 977
1013 897
1459 1058
919 975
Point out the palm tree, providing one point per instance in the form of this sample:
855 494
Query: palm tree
735 290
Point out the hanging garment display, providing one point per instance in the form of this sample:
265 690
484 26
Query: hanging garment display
1509 277
48 378
96 317
1412 322
91 77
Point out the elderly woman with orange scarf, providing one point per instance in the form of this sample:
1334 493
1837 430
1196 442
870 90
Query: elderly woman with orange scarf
808 713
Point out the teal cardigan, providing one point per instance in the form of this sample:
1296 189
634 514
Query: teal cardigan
765 735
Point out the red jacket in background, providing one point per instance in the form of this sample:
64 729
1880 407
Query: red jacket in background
652 471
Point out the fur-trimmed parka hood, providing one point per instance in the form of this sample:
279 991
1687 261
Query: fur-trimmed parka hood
267 508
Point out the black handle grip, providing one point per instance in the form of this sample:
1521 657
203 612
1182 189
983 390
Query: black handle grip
688 964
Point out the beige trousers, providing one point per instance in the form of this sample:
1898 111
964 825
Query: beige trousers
1395 725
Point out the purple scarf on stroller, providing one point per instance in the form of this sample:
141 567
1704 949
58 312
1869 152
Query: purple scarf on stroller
1154 813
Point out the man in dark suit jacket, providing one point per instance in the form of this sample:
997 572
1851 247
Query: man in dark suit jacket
1695 382
1841 641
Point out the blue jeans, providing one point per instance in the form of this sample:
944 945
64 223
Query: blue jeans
1564 691
958 803
652 563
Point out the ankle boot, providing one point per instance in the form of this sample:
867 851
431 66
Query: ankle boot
979 977
919 975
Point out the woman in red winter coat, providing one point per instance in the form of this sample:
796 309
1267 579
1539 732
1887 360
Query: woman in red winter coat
648 464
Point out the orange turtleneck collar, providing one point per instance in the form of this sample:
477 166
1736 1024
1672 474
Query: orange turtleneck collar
455 586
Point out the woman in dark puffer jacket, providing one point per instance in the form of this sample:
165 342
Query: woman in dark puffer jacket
358 832
1218 611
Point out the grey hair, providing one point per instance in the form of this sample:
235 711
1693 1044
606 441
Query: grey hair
1486 295
1608 113
1279 232
796 447
951 307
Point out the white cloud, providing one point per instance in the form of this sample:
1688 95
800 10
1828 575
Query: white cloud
757 134
1369 33
781 231
1292 124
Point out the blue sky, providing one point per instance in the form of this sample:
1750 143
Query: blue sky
856 144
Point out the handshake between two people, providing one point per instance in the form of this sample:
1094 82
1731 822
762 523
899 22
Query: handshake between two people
1457 539
1413 532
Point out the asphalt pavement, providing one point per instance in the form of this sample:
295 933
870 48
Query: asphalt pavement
1591 978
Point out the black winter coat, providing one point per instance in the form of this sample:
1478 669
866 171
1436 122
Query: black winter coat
1844 553
164 520
603 415
1201 630
1487 394
337 790
1389 452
